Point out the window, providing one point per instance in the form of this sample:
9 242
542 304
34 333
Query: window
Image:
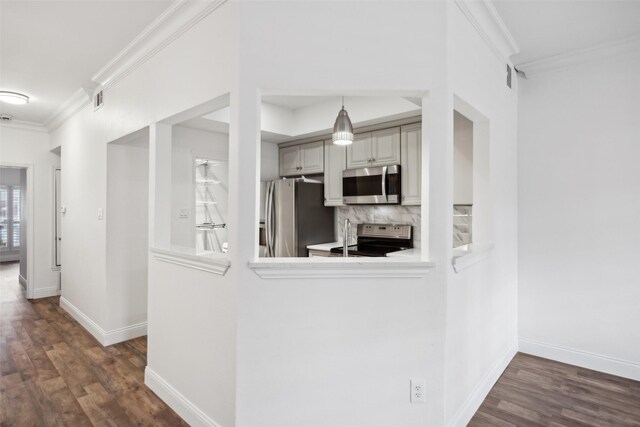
9 217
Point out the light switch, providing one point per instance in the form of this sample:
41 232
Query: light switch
100 213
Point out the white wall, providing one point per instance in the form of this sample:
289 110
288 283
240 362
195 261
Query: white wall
187 144
127 222
191 315
482 299
578 215
462 160
248 351
20 146
10 176
333 351
269 161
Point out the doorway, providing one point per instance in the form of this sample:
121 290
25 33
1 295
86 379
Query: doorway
14 223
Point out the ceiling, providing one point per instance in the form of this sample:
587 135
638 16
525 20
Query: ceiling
50 48
294 102
544 28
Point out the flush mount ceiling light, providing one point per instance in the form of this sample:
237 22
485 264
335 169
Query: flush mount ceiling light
13 97
342 128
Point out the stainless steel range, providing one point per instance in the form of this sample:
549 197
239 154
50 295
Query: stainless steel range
377 240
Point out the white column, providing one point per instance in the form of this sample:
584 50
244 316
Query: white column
481 182
160 185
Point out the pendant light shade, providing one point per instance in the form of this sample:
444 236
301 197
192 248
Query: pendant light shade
342 128
13 97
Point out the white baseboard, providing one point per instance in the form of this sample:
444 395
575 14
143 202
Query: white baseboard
105 338
176 401
482 389
51 291
583 359
130 332
86 322
22 280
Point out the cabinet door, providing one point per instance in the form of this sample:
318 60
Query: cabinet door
359 153
290 160
312 158
385 147
335 161
411 164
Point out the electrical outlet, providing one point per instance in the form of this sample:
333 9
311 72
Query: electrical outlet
183 213
418 391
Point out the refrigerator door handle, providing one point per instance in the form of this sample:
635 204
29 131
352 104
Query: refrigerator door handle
267 218
269 221
384 183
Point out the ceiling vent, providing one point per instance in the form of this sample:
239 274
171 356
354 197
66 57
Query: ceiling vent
5 118
98 100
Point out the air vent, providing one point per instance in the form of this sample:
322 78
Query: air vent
98 100
5 118
508 76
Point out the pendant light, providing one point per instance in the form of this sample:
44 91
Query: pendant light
342 128
13 97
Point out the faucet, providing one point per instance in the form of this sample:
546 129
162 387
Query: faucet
345 238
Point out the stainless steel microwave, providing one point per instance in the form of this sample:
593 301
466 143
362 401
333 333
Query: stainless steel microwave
371 186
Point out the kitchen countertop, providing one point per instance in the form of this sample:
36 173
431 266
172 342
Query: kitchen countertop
324 246
407 253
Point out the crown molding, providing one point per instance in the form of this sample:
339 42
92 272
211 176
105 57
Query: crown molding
171 24
71 106
22 125
628 46
487 22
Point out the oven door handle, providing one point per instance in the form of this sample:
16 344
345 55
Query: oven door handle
384 183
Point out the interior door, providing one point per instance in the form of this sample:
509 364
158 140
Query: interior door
58 215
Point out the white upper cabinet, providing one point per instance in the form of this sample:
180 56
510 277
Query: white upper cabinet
289 161
302 159
411 163
359 152
312 158
385 147
335 157
377 148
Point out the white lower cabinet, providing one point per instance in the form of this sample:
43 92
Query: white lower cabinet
317 252
411 163
335 161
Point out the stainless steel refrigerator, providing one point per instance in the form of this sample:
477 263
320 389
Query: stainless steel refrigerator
294 217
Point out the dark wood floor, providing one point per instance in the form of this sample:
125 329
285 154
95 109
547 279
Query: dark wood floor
54 373
540 392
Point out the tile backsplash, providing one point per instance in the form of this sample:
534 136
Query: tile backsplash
462 220
379 214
